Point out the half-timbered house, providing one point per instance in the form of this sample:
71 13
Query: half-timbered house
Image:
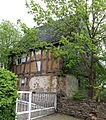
37 70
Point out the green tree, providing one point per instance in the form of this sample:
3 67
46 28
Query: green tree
9 37
28 40
82 25
14 41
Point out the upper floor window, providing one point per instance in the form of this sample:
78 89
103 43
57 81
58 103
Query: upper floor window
21 60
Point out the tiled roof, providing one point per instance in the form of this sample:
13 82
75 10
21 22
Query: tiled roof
51 34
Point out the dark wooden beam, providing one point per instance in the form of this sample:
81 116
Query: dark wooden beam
16 70
60 63
30 66
25 79
52 59
41 61
35 62
25 64
29 69
21 69
20 83
12 68
21 76
47 59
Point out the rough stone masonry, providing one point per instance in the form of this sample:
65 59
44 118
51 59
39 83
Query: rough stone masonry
82 109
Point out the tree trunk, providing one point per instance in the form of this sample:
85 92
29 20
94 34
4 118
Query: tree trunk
91 89
91 77
90 74
91 80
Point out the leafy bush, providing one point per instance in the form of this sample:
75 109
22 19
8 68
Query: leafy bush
8 94
60 73
79 95
103 95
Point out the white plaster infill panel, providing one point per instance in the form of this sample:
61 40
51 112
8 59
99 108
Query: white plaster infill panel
23 58
38 52
54 83
39 65
43 83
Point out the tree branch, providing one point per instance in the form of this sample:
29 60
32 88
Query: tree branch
92 66
99 23
86 65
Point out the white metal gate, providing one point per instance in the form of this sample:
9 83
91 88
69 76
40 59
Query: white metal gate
33 105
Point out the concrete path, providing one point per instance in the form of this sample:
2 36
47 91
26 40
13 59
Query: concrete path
58 117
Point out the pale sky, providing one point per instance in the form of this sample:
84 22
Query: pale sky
15 9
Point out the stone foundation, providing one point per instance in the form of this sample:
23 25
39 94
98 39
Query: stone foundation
82 109
53 83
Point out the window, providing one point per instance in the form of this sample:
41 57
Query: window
21 60
18 61
38 65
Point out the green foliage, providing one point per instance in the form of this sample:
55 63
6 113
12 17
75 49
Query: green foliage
9 36
100 82
28 40
60 73
79 95
100 73
15 42
8 95
83 28
103 95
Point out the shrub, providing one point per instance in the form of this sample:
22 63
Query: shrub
8 94
79 95
60 73
103 95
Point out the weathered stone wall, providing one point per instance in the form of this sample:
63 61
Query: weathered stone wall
43 83
53 83
82 109
71 85
67 85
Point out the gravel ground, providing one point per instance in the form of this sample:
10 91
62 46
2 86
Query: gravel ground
58 117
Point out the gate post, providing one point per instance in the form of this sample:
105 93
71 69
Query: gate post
30 95
16 109
55 101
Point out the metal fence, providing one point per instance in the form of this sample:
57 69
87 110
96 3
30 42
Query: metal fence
32 105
